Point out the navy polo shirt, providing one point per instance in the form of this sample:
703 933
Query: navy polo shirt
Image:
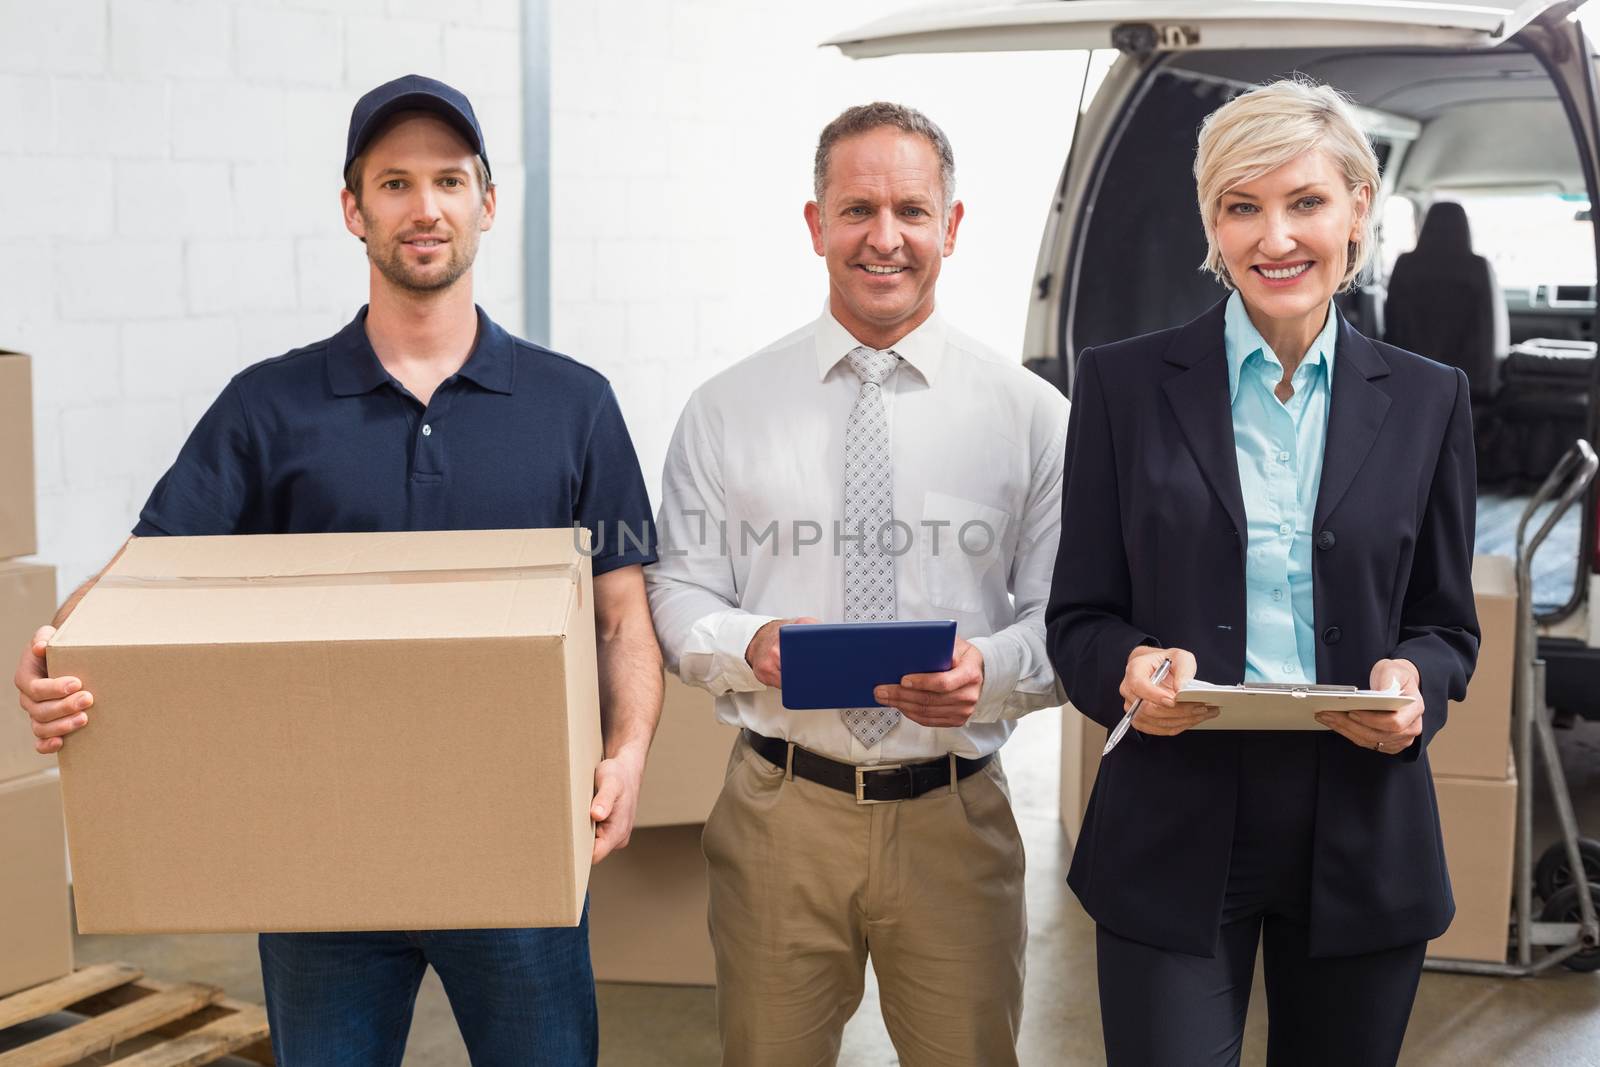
324 440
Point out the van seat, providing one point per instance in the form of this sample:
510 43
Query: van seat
1444 301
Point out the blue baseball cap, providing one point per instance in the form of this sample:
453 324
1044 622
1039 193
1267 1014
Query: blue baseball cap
412 93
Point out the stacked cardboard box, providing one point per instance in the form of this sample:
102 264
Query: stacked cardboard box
17 530
647 911
1479 820
687 759
27 602
1474 781
1081 741
647 903
35 922
1470 759
1477 740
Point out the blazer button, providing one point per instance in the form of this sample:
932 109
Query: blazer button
1325 540
1331 635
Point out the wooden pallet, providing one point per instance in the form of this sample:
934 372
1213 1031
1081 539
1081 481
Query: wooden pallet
133 1021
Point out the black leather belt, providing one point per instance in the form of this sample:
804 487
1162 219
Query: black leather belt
873 783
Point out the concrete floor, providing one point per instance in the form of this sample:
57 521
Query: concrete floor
1458 1021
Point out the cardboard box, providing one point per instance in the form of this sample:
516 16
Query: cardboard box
688 759
35 921
1081 741
17 532
334 732
647 903
1479 820
27 602
647 911
1476 740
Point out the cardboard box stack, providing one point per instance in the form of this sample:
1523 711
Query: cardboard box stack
35 921
1472 776
334 732
1474 780
647 903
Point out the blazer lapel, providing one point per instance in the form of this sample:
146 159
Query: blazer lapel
1199 399
1355 412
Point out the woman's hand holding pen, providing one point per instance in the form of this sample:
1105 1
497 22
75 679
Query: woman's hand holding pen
1383 731
1161 714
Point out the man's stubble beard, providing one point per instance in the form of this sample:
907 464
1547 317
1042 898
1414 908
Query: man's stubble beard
390 259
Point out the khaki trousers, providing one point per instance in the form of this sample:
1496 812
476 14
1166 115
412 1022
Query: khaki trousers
805 883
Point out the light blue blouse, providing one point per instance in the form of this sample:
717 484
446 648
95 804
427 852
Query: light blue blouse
1279 447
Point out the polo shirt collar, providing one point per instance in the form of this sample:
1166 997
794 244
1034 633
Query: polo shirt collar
354 368
1241 340
922 348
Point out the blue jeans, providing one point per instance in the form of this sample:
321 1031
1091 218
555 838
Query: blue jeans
522 998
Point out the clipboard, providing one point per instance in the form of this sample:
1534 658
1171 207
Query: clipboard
839 664
1275 706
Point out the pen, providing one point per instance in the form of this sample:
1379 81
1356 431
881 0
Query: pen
1127 720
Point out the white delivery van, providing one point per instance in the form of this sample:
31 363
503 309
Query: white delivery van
1489 105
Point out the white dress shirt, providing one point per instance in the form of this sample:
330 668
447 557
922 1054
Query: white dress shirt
752 496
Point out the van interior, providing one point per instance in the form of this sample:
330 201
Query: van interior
1486 253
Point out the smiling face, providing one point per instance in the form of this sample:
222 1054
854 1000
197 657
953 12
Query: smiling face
1285 236
421 208
883 231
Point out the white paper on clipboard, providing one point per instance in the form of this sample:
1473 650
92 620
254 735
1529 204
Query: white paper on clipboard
1246 707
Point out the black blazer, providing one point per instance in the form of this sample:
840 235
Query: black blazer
1152 553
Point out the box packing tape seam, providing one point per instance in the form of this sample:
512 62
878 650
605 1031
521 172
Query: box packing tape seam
565 571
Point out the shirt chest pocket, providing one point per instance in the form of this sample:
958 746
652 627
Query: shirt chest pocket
960 542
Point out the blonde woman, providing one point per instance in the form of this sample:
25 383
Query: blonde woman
1266 495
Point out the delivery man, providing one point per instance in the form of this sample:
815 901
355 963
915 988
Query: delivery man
876 464
423 414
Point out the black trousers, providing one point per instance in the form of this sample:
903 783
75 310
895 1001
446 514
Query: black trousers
1161 1008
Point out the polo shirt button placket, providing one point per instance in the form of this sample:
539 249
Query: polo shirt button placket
425 467
428 511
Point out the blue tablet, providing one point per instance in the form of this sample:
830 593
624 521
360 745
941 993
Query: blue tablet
839 664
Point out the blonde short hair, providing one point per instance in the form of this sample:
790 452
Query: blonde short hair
1259 131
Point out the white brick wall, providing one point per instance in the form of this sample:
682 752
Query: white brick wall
314 39
682 137
180 162
155 197
100 118
172 167
57 38
188 39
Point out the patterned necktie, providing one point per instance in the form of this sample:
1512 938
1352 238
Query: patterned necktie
868 509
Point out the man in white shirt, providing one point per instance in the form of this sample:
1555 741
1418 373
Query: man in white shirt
876 464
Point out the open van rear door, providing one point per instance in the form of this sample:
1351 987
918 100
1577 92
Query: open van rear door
1147 26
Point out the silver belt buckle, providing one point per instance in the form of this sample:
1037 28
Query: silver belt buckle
861 782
